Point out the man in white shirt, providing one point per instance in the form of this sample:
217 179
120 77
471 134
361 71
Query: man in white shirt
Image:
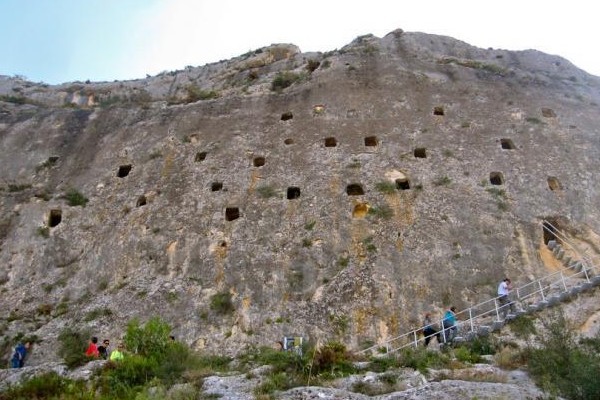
504 289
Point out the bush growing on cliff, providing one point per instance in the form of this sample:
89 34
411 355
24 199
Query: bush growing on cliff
285 79
564 366
75 198
72 346
221 303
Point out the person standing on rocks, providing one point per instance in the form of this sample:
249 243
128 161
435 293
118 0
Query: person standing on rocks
504 289
18 358
92 350
117 354
449 323
430 330
103 350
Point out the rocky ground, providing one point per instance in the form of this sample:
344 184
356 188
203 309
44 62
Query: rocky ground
481 381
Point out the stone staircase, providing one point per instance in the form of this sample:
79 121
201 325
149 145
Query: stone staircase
580 273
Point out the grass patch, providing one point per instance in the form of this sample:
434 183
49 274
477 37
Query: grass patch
285 79
266 192
385 187
194 94
43 231
383 212
310 225
221 303
97 314
75 198
442 181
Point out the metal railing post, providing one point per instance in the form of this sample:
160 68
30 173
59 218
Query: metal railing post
541 290
584 267
497 310
562 278
471 319
416 342
443 329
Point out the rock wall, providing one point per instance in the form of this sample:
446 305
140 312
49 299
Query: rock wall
332 195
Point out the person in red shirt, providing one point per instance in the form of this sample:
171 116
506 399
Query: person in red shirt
92 350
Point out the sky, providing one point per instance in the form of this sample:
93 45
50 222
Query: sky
56 41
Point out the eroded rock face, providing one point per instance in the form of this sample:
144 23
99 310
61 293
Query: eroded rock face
336 195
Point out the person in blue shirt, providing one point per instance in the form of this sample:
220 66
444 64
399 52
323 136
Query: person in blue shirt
18 358
449 323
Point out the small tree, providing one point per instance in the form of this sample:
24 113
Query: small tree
149 340
72 347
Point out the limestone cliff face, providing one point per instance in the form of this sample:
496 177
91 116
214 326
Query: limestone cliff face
336 196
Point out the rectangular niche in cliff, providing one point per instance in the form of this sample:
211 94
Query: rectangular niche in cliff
216 186
232 213
200 156
507 144
330 142
554 183
439 110
360 210
286 116
548 113
141 201
496 178
402 184
293 192
124 170
288 141
420 152
354 189
54 218
258 161
371 141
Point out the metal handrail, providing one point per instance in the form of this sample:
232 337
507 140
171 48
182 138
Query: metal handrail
541 289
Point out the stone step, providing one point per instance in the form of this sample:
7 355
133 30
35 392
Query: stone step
533 308
564 296
575 290
484 330
552 244
567 260
576 266
497 325
596 280
542 304
553 300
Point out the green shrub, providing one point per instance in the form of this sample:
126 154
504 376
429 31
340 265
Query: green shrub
522 327
382 364
310 225
194 93
383 212
312 65
14 187
285 79
386 187
43 231
97 313
75 198
442 181
266 191
421 359
13 99
48 386
221 303
150 340
464 354
72 346
562 366
332 359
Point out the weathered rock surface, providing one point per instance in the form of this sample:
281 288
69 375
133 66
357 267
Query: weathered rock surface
394 176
